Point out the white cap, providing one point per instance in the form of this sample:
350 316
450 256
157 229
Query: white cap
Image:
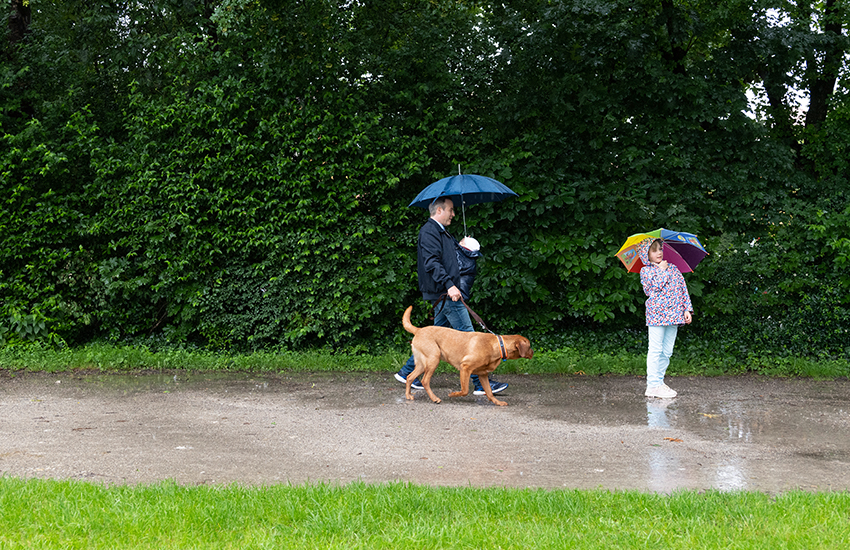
470 244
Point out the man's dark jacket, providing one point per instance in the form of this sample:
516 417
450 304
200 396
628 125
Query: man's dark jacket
436 261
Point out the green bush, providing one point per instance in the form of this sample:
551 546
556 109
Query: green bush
236 176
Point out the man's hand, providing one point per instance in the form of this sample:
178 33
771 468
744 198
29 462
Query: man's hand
454 293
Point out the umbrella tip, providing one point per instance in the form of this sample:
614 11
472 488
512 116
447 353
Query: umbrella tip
458 169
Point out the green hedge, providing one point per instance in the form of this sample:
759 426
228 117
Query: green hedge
235 175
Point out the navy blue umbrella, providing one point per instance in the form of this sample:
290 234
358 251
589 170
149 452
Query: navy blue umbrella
469 188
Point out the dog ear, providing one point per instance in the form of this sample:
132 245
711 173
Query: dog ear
524 348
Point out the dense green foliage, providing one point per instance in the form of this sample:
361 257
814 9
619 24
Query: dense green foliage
76 514
236 173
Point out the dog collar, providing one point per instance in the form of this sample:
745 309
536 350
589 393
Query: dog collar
504 353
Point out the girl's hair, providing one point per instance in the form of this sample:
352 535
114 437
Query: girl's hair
656 245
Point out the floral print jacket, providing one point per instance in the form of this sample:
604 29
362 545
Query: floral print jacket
666 291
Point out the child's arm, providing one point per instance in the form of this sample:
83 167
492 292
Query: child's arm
654 280
685 299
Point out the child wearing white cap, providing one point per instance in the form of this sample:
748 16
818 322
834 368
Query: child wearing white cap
468 253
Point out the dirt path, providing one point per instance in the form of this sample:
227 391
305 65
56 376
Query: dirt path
558 431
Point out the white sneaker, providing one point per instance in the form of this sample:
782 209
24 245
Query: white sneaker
662 392
416 385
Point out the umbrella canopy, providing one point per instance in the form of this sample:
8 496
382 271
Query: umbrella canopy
464 189
471 188
684 250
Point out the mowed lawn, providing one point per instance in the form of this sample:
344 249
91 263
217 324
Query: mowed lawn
38 513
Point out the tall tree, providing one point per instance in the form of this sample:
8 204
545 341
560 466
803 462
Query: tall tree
797 50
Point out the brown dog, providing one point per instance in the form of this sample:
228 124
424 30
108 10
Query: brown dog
469 352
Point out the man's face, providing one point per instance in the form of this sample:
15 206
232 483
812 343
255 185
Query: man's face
445 214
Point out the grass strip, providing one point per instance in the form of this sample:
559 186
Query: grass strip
567 360
75 514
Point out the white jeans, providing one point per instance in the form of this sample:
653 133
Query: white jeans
661 341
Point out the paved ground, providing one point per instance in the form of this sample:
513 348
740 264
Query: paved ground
726 433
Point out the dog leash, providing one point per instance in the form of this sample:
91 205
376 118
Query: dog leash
442 302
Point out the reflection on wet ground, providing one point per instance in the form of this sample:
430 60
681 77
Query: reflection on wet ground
728 433
771 418
658 412
665 472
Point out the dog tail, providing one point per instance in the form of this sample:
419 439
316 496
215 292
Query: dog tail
405 320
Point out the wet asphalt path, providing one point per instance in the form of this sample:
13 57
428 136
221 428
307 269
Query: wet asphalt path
727 433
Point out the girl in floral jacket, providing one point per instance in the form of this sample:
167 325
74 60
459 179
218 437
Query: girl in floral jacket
668 305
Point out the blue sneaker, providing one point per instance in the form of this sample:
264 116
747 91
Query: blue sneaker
497 387
416 384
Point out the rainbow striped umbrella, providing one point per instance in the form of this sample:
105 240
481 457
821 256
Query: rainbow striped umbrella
684 250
